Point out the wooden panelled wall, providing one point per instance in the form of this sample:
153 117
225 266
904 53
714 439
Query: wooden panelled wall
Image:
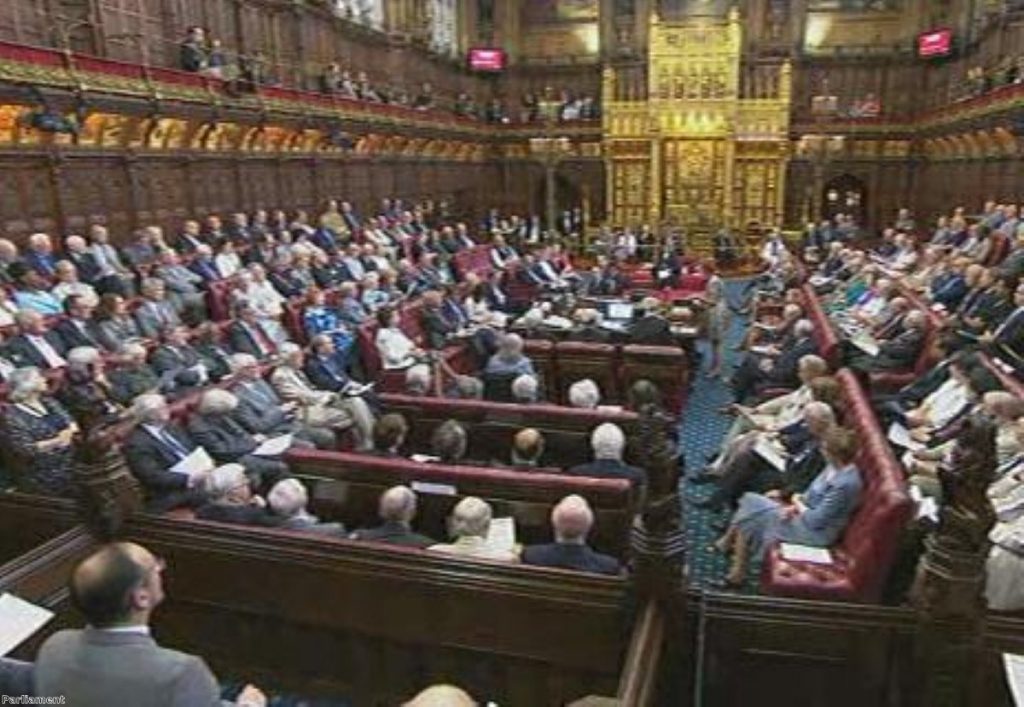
64 193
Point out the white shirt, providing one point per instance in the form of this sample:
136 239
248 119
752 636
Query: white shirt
53 359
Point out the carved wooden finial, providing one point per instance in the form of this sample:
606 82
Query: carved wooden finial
109 493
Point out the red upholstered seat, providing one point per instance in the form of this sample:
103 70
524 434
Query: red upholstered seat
824 334
542 353
578 360
665 366
862 559
1008 382
894 380
218 299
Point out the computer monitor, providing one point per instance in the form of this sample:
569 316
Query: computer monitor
620 310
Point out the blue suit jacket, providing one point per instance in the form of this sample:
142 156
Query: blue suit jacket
325 376
570 557
830 503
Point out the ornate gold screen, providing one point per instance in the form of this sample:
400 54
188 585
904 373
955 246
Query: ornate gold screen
695 151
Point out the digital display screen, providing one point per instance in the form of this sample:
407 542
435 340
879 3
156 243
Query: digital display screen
487 59
935 43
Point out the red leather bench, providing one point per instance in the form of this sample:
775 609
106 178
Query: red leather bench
1008 382
824 334
354 483
866 551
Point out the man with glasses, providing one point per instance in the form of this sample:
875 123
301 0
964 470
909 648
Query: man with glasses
114 659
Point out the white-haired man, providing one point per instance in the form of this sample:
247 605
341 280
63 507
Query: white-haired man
525 389
584 394
262 412
397 509
227 441
608 443
230 499
288 500
468 526
571 521
153 448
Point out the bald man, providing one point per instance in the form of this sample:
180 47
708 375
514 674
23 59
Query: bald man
397 508
571 521
527 448
442 696
114 661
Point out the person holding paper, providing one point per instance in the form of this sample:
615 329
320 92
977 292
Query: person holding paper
114 660
154 450
469 526
816 518
39 433
782 371
791 459
227 441
571 521
899 353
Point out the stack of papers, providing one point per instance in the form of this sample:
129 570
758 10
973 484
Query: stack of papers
195 464
805 553
771 452
900 436
502 534
274 447
866 343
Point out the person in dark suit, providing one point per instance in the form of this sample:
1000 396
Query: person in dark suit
177 362
587 328
114 660
758 371
156 312
245 335
203 265
35 345
39 255
608 443
227 441
133 376
79 328
436 328
1007 340
152 448
651 328
326 366
744 470
230 499
899 353
389 432
261 411
397 509
571 521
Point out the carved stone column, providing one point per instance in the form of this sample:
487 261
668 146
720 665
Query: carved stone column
948 591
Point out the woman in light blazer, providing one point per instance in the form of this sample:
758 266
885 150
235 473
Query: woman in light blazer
816 518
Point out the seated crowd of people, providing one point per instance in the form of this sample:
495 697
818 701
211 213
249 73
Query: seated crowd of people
932 325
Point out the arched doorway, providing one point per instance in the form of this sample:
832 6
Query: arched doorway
568 195
844 194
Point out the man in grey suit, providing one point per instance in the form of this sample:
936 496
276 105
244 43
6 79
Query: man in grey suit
156 312
114 660
261 411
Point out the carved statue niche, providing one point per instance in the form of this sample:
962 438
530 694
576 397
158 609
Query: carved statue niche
109 494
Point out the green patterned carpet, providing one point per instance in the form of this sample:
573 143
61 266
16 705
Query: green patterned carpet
701 431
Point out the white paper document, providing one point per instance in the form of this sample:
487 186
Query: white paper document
762 350
19 619
433 488
806 553
1015 676
197 462
866 343
355 389
273 447
770 452
502 534
900 436
424 458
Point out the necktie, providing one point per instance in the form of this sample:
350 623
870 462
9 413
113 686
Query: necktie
177 448
263 342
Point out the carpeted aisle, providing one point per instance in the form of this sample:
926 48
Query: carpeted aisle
701 432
